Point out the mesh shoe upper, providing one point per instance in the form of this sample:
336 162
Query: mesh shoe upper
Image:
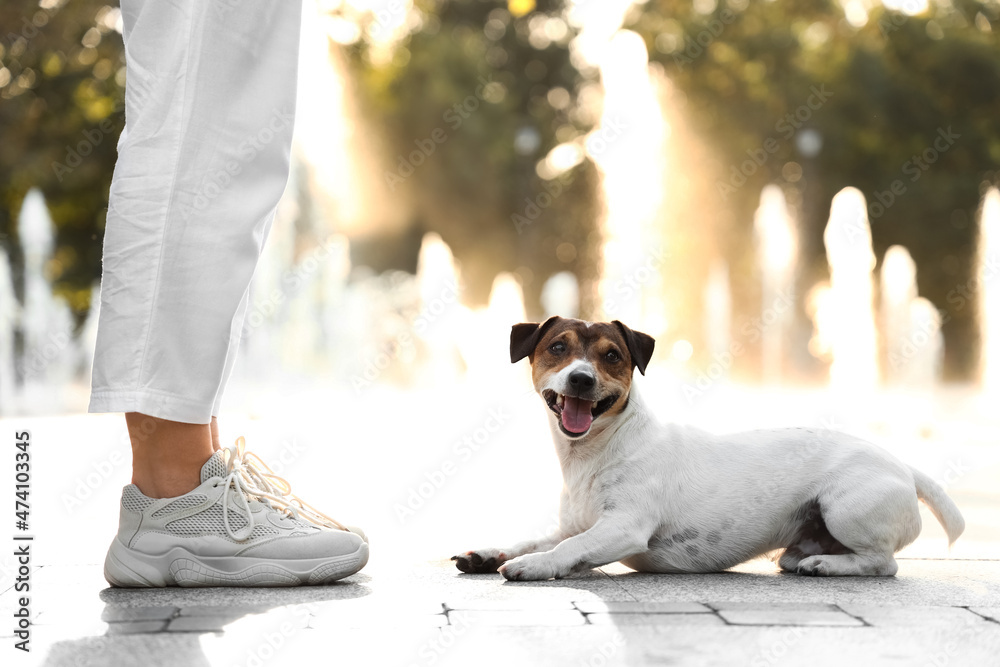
229 513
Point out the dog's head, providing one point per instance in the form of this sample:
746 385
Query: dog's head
583 370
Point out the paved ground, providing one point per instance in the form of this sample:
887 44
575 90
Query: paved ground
935 612
425 485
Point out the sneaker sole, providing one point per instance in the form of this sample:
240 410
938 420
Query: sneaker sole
127 568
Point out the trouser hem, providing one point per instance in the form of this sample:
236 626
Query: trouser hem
153 403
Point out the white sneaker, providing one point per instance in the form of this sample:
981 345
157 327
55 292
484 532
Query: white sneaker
240 527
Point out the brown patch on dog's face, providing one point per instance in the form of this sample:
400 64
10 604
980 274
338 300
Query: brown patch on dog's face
583 370
602 346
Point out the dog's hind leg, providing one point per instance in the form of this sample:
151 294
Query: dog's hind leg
872 524
790 559
844 565
811 538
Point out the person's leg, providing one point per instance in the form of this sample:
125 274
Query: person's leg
202 163
167 456
214 427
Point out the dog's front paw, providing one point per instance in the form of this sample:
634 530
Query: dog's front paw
530 567
481 561
814 566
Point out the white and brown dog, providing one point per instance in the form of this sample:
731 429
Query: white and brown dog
670 498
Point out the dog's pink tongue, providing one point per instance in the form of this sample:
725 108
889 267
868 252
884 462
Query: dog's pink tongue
576 415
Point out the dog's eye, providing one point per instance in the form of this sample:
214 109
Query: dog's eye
557 348
612 357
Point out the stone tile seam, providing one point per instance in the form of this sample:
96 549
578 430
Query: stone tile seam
620 587
175 614
864 623
988 619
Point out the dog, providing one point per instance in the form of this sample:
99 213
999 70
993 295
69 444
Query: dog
676 499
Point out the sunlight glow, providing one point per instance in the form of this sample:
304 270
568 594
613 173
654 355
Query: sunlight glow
845 326
629 149
908 7
777 251
989 313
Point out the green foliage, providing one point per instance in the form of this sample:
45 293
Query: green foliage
60 95
478 189
898 83
738 72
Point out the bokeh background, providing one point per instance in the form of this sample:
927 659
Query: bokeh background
796 199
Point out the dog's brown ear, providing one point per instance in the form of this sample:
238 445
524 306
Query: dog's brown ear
640 346
524 338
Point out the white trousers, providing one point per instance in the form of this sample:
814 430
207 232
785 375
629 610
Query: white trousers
202 162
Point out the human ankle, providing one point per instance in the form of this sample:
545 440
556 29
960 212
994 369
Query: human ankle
167 456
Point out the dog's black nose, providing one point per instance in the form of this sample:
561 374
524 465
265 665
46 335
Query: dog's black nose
582 381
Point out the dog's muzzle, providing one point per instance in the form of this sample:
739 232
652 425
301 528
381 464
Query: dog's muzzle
576 413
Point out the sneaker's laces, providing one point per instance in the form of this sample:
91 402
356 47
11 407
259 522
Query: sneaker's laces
250 476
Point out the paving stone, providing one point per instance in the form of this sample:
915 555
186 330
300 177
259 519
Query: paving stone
788 617
199 623
933 582
423 602
118 614
441 581
664 607
630 618
136 627
511 605
741 605
220 610
385 620
543 618
232 597
912 616
992 613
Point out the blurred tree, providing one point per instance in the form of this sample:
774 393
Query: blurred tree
61 78
848 100
858 100
492 84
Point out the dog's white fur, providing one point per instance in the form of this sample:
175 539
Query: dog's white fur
669 498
